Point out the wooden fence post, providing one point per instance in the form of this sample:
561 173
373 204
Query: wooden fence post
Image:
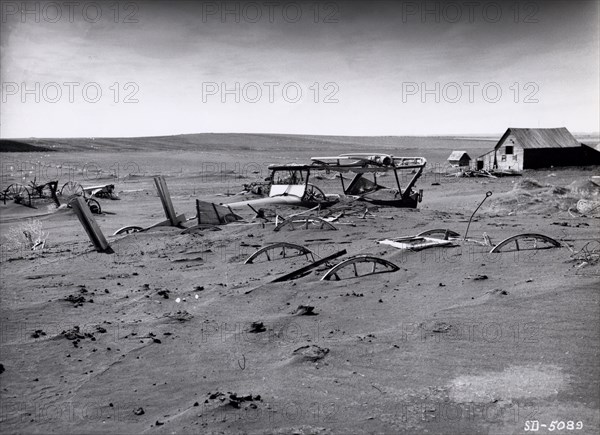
165 199
91 227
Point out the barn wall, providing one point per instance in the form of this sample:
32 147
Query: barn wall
510 161
488 161
546 157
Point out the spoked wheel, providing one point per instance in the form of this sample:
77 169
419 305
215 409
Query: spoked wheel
19 193
71 189
313 193
91 203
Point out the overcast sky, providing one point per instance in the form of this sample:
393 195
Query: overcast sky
337 68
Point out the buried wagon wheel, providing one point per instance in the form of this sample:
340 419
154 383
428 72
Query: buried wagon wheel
93 205
356 271
439 231
525 242
128 230
19 193
278 250
71 189
305 223
313 193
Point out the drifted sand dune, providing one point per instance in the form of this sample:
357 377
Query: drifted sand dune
173 333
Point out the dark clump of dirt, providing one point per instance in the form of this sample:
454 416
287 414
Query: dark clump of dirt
257 327
1 368
180 316
233 399
76 335
435 327
164 293
77 300
311 352
37 333
305 310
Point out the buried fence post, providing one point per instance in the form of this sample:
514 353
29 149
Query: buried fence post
165 199
91 227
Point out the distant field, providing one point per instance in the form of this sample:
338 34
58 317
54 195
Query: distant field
245 142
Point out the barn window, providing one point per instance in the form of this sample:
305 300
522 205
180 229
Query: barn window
503 157
509 149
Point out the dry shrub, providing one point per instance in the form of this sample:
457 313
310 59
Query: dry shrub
27 236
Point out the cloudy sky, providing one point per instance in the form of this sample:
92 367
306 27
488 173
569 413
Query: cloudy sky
339 68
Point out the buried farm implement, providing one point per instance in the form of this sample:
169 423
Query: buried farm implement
32 193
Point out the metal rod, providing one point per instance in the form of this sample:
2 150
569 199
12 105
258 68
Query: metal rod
488 194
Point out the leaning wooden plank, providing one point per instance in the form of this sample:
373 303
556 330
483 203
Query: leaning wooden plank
91 227
165 198
302 270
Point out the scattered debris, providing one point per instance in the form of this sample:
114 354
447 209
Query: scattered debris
139 411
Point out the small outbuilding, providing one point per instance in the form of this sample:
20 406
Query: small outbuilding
459 158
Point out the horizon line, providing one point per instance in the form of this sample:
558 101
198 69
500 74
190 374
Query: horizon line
580 133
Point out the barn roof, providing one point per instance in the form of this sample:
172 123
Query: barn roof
457 155
541 137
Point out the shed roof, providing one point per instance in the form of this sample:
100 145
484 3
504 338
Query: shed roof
541 137
458 155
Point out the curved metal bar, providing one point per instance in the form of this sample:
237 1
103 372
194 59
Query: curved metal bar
333 272
487 195
306 221
127 230
440 231
301 249
516 239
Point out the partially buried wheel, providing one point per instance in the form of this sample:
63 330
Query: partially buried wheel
128 230
94 206
71 189
19 193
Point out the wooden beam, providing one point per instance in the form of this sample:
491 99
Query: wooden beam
296 273
165 198
91 227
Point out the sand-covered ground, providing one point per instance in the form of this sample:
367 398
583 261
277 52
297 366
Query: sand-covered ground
174 334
